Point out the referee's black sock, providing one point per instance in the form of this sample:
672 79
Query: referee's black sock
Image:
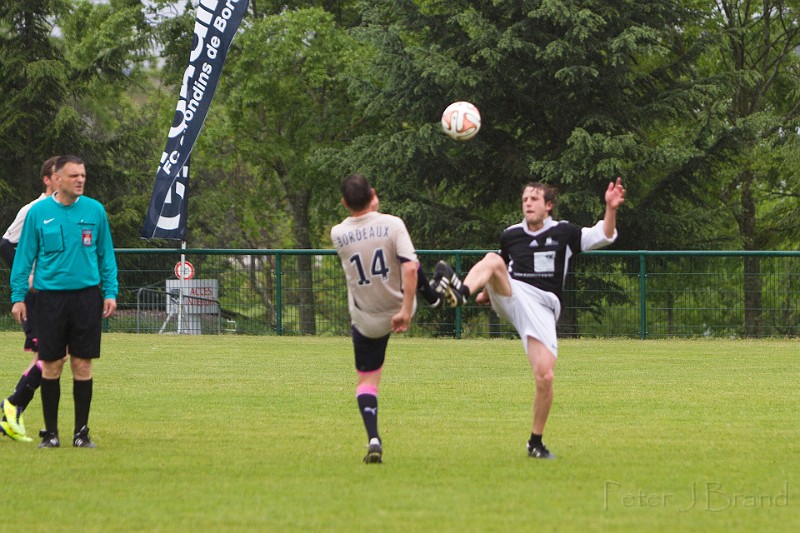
536 440
51 394
82 395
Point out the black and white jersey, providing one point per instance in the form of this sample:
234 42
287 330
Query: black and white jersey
541 258
8 244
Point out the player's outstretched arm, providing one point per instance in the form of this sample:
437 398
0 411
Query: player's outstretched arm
615 197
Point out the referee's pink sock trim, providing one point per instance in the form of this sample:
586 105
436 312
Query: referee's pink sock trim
372 390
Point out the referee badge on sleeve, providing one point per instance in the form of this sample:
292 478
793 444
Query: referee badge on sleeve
87 237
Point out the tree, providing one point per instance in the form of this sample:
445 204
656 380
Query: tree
568 95
66 92
108 47
750 134
285 97
34 81
344 12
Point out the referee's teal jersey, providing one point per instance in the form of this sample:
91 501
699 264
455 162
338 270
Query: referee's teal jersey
70 246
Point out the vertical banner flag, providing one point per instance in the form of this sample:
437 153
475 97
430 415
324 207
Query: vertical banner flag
215 26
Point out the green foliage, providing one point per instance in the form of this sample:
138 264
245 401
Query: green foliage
344 12
568 94
173 28
118 43
66 92
34 84
693 103
752 128
284 98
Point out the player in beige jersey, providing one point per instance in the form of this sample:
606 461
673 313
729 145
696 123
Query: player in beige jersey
380 264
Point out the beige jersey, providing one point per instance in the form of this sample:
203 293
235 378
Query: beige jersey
372 248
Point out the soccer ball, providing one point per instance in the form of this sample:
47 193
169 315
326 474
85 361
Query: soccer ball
461 121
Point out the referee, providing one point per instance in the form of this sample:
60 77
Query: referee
68 237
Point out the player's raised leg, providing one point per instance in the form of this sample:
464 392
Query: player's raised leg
491 270
448 285
427 289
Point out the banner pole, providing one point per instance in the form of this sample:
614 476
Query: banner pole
180 287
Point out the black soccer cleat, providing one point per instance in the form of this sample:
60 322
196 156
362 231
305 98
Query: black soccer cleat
49 440
448 285
82 440
374 452
539 451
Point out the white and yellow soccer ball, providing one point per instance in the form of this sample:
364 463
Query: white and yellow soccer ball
461 121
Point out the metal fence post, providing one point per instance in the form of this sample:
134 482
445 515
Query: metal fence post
707 300
279 293
642 296
459 325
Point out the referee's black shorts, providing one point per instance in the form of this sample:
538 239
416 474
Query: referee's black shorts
69 318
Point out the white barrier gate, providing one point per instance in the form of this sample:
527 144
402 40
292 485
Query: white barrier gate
188 300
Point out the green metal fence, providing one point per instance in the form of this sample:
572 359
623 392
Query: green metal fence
644 294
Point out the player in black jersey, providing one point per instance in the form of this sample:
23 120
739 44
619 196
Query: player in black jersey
524 281
11 408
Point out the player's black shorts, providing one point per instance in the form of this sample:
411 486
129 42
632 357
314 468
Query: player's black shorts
69 318
370 353
29 326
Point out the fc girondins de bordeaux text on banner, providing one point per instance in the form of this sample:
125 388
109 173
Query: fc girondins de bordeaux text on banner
215 26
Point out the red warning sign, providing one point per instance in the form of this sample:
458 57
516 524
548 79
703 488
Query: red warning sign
187 272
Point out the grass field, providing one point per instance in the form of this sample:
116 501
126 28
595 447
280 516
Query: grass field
237 433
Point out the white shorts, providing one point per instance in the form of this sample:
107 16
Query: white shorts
533 312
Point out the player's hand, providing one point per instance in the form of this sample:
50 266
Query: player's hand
109 306
483 298
20 312
400 322
615 194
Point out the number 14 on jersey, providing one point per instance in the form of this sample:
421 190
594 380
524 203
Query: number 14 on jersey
377 267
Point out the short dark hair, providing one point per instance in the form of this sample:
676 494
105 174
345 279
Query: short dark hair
549 191
357 192
64 159
48 167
